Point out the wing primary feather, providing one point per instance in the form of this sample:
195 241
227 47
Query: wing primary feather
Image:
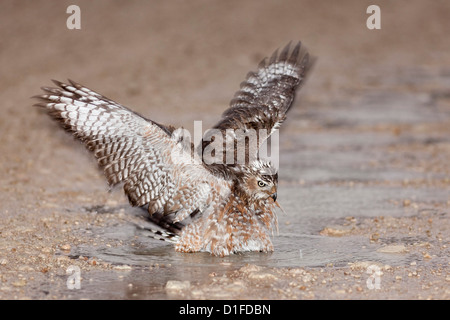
261 65
295 53
284 54
273 58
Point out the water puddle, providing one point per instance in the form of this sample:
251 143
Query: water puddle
299 244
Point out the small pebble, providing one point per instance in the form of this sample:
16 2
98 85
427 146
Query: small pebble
261 276
393 248
336 231
19 283
46 250
65 247
122 267
175 285
426 255
250 268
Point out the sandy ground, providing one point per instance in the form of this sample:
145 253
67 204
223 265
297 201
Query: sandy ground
178 61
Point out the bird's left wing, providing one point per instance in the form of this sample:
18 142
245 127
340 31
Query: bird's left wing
264 97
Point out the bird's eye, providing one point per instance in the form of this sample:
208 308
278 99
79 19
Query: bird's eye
261 184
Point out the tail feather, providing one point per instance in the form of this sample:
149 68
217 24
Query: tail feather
170 230
159 234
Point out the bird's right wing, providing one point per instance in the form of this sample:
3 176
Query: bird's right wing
132 150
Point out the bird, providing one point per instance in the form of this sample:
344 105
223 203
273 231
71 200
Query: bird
200 203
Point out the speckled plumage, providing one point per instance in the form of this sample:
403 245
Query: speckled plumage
201 206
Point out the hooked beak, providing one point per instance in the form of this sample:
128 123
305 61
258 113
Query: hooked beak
274 196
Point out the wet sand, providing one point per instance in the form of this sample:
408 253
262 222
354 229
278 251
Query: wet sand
364 171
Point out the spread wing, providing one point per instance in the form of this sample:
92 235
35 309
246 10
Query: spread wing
143 155
261 104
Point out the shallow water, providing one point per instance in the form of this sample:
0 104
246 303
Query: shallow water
298 244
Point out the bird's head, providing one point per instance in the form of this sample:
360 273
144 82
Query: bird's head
260 181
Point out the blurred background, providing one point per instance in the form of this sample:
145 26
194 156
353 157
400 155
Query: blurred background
180 61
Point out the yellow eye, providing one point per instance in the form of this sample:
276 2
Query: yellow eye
261 184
